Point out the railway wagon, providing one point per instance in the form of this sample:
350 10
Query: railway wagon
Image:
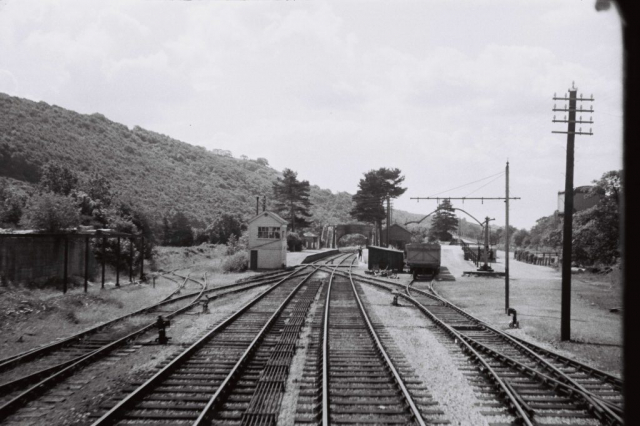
385 258
423 258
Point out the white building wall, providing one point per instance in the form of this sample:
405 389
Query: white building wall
272 254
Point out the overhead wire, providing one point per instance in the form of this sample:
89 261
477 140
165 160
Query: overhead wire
477 189
467 184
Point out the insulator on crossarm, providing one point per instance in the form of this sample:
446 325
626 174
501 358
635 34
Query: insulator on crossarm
565 118
554 106
591 108
590 130
554 95
580 129
592 96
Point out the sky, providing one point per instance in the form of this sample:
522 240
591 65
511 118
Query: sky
446 91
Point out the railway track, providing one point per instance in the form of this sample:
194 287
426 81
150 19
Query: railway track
350 376
527 382
236 372
27 375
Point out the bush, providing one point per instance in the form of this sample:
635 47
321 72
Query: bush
50 213
238 262
294 242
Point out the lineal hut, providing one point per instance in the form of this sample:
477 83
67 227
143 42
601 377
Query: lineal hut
267 241
399 236
310 240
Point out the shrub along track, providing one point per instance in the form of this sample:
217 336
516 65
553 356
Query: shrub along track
532 384
236 371
29 374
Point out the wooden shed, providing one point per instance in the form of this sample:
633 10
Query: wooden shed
399 236
267 241
385 258
310 240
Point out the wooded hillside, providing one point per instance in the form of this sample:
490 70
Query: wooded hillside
155 172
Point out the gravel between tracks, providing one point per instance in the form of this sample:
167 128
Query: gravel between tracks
72 401
430 360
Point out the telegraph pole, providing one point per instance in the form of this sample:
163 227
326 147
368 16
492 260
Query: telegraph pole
565 312
506 245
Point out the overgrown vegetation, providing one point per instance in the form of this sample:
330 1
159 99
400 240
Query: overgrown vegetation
375 188
596 230
444 221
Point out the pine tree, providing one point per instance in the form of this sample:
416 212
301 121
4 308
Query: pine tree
292 199
376 186
443 221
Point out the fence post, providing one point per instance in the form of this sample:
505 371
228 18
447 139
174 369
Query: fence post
142 259
66 259
131 260
86 263
118 264
104 256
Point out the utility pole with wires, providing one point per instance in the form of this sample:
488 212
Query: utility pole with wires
388 218
506 200
565 305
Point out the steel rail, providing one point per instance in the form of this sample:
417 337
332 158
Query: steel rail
587 397
209 410
130 400
603 408
59 372
513 400
381 350
606 377
602 375
325 350
14 360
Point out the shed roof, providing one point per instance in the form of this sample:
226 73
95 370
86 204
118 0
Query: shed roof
271 214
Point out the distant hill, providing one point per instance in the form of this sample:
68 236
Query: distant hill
149 169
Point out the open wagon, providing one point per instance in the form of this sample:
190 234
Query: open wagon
423 258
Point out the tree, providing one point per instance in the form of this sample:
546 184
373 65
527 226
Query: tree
50 213
374 189
520 237
224 227
418 234
443 221
11 205
292 199
177 231
58 179
597 230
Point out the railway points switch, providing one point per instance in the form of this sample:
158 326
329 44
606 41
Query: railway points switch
162 324
514 321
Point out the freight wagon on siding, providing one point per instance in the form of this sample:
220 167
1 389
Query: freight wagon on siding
385 258
423 258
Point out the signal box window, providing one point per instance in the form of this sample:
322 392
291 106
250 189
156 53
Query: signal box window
269 232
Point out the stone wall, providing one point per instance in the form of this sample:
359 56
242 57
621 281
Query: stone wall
26 259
